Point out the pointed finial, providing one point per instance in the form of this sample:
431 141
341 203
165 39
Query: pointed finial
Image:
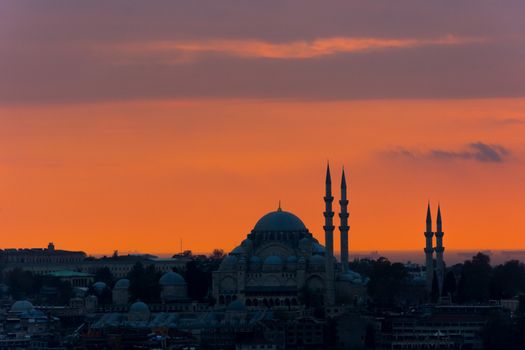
429 216
279 208
328 177
343 179
439 218
429 219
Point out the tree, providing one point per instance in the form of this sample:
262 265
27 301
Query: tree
508 280
104 275
449 285
434 294
475 279
144 283
199 280
387 282
23 283
217 254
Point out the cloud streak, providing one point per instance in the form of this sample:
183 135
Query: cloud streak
184 51
475 151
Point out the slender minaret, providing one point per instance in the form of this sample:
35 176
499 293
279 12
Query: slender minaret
429 263
343 216
440 264
329 240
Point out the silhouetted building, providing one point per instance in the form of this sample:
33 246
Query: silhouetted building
282 265
437 269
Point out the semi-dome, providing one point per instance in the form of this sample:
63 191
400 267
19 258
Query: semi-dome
273 260
317 248
171 279
228 262
122 284
21 306
316 260
238 250
247 244
292 259
279 221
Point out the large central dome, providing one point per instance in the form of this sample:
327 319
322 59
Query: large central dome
279 221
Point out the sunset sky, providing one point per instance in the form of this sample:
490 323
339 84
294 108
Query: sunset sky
131 125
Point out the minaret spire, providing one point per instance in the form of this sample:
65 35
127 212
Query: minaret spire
438 222
343 228
329 239
440 263
429 251
429 219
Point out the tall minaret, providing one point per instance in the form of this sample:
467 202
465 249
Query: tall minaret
343 216
429 263
440 265
329 240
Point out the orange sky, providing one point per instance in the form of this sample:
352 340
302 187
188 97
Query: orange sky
131 125
141 175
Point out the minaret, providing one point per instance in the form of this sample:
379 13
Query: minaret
343 216
440 264
329 240
429 261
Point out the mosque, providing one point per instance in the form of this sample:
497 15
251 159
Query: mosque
281 264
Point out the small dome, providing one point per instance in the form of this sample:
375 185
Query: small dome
353 277
419 279
138 311
172 279
228 262
279 221
237 251
247 244
255 260
21 306
273 260
316 260
122 284
99 287
317 248
292 259
236 306
305 242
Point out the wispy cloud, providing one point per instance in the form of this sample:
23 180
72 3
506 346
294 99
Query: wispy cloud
508 121
183 51
475 151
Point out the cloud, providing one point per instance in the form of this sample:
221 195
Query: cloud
508 121
475 151
183 51
297 49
